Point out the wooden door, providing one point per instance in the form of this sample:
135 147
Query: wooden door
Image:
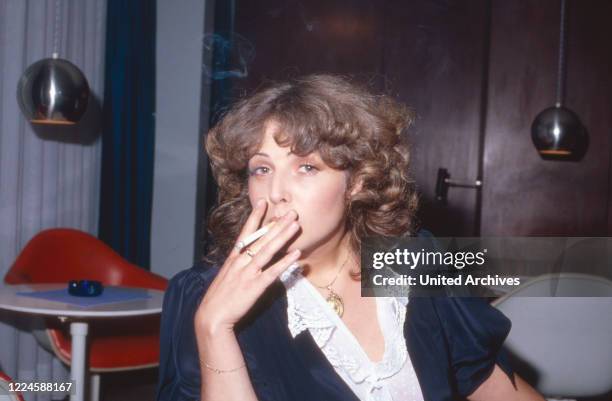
435 61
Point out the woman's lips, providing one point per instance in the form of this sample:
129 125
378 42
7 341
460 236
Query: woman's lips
276 219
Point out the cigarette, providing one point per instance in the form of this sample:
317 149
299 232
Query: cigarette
254 237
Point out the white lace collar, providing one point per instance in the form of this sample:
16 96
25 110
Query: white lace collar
308 310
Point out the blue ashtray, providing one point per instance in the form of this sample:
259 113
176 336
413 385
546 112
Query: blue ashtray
85 288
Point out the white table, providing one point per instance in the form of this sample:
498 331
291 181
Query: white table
78 317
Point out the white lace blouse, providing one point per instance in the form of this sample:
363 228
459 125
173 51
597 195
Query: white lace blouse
391 379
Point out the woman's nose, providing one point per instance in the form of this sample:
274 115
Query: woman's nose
280 189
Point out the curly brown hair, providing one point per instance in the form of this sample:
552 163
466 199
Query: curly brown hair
351 128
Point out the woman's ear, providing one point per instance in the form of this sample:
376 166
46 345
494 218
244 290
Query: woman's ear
357 187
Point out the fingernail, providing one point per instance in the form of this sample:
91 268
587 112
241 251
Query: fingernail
292 267
260 202
289 271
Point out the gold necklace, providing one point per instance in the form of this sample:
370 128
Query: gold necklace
334 300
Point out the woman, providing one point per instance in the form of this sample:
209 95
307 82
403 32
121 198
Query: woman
282 318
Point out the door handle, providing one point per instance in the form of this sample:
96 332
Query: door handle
444 182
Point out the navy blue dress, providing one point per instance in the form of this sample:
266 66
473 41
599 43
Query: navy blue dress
453 344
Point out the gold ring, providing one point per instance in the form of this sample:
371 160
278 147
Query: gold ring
250 252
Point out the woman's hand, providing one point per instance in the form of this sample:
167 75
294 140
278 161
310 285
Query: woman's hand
242 278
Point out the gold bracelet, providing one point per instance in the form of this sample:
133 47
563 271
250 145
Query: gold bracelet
219 371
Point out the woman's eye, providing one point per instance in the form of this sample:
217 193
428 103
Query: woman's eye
262 170
258 171
308 168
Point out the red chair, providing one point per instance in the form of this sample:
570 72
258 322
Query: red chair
59 255
4 385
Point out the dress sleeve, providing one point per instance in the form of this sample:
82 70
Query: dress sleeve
473 333
179 370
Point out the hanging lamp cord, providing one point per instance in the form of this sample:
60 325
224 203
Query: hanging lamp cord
56 25
562 55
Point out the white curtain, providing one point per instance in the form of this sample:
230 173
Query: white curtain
45 182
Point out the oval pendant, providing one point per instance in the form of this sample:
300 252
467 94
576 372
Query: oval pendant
336 303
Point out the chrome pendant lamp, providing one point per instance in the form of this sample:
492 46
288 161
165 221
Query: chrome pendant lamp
53 91
557 132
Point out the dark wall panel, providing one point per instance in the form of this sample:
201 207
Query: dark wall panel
476 73
522 194
293 38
